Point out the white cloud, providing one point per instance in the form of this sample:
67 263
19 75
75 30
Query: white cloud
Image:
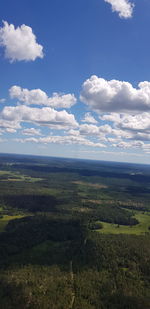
130 144
131 127
74 132
137 122
89 129
122 133
62 100
20 43
45 116
39 97
112 117
31 131
35 96
105 133
138 145
123 7
140 122
9 124
112 153
124 129
115 96
89 118
11 130
141 136
2 100
98 132
63 140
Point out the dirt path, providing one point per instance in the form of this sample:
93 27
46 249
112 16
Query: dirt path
72 282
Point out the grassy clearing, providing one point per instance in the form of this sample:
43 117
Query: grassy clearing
3 173
141 228
81 209
24 178
94 185
4 221
100 202
10 176
49 191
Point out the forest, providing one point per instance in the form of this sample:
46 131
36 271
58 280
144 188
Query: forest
74 234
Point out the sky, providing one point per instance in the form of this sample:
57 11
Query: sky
75 79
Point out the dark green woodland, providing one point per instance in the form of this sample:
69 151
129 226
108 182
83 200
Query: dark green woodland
74 234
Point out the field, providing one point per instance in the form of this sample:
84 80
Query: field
88 184
5 219
138 229
11 176
74 234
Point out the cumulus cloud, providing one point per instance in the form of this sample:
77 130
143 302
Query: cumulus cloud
9 124
137 122
93 130
39 97
115 96
129 127
74 132
10 130
140 122
89 118
138 145
123 111
45 116
19 43
105 133
31 131
131 144
62 100
63 140
89 129
123 7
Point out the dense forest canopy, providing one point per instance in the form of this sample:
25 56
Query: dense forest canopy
74 234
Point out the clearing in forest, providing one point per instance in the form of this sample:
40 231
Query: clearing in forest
94 185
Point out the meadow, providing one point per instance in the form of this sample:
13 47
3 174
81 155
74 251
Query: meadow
5 219
139 229
11 176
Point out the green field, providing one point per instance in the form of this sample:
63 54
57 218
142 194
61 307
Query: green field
139 229
88 184
3 173
4 221
11 176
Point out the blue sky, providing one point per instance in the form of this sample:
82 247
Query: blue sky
75 78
